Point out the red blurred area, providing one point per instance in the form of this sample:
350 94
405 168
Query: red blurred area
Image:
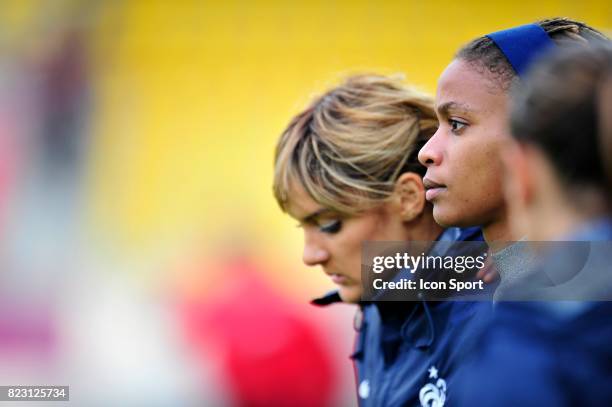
272 353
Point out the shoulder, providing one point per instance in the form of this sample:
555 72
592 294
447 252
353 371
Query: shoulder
538 354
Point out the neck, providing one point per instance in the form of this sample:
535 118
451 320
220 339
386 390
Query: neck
424 228
557 216
497 234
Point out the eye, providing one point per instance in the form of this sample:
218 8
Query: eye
331 227
457 126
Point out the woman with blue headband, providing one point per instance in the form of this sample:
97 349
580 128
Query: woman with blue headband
526 356
463 158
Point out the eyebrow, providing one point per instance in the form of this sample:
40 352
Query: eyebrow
444 108
314 215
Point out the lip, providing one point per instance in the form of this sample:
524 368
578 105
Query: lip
432 188
338 279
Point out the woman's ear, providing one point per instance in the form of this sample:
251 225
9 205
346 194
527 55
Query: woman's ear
409 196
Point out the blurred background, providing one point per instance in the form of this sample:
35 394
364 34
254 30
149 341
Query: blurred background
143 259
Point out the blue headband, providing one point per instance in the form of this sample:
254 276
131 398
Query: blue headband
521 45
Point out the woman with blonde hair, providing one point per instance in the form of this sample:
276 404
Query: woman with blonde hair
346 169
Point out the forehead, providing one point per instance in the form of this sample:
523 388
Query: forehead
466 85
300 203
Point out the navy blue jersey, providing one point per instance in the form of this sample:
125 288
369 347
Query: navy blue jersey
406 353
545 353
541 354
413 361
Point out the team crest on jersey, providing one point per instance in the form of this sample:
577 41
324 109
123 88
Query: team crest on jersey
433 394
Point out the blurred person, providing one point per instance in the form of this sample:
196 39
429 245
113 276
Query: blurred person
605 123
39 228
463 158
346 169
555 352
267 351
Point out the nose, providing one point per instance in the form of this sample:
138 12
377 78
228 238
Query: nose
314 252
431 152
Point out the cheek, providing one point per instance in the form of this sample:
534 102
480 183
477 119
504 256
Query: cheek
477 177
479 159
488 172
348 255
347 248
485 186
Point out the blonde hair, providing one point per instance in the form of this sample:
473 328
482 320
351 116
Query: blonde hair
349 147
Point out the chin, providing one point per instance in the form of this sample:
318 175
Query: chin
350 295
448 219
443 218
